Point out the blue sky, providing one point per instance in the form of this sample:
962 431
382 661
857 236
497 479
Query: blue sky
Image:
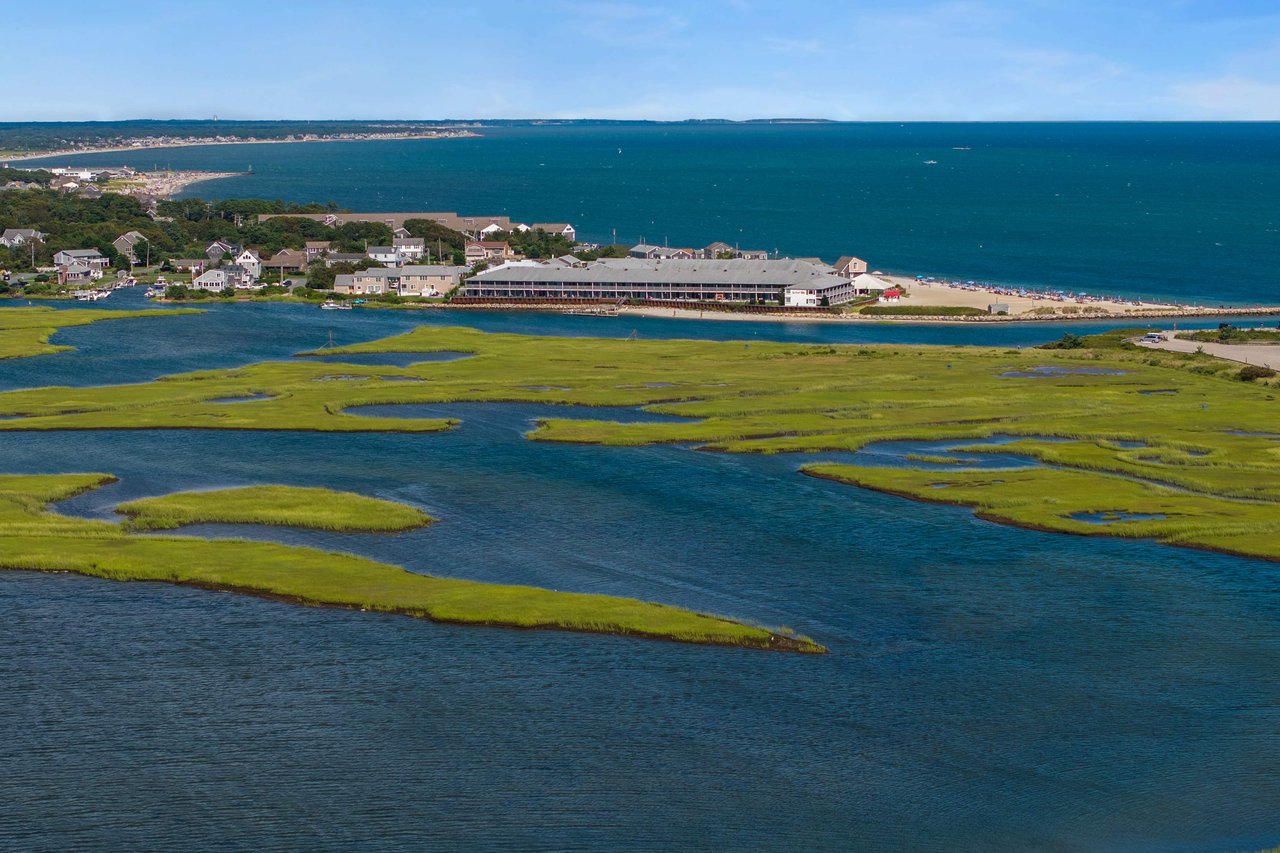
914 59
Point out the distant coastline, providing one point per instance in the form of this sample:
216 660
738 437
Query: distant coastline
151 145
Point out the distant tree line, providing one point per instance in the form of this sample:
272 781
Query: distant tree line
184 228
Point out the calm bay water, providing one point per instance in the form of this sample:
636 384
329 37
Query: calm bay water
988 688
1176 210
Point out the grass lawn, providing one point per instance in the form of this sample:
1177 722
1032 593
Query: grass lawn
35 539
26 331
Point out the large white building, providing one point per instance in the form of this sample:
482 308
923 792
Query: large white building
779 282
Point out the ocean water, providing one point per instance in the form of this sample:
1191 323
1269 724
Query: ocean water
1169 210
988 688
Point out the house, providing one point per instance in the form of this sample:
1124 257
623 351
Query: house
866 284
89 257
850 267
412 280
315 249
385 255
559 229
213 280
89 192
125 242
15 237
240 276
220 248
342 258
287 260
644 250
192 265
410 248
485 250
76 272
720 251
249 259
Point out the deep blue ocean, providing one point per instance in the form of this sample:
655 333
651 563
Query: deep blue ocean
1153 209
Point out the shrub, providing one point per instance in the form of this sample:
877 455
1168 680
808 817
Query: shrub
1251 372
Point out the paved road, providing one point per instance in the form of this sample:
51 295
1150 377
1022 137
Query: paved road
1267 355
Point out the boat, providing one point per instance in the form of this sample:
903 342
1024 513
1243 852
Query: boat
330 305
931 162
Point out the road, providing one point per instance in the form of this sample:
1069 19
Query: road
1267 355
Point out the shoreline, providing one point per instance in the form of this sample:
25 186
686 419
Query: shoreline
735 316
24 157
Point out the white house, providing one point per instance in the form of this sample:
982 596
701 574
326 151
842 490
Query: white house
214 280
250 261
410 248
386 255
562 229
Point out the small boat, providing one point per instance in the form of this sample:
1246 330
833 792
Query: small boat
931 162
357 302
330 305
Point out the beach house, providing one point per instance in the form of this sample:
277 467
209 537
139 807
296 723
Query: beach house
15 237
850 267
420 280
125 242
410 248
487 250
557 229
287 260
386 255
89 257
316 249
213 280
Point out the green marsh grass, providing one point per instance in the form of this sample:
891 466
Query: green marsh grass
293 506
33 538
765 397
25 332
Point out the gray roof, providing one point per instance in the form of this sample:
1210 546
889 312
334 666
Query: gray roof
380 250
413 269
780 273
81 253
343 280
24 233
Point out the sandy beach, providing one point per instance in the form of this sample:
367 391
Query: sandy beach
25 156
980 297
